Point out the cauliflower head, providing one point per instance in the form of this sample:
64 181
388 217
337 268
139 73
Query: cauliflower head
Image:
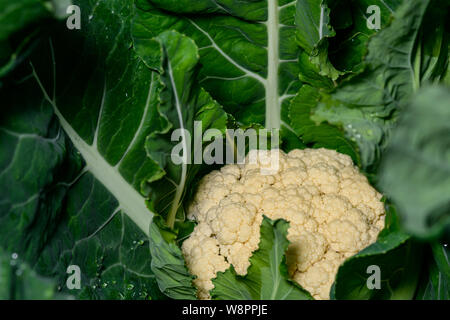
332 209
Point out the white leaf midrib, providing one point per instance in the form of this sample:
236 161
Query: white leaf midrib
181 184
273 106
271 83
130 201
321 22
227 57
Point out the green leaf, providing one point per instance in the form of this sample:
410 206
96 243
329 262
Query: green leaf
415 172
313 28
440 253
247 51
26 17
310 74
436 282
351 20
168 263
17 15
251 10
181 104
366 127
317 135
19 282
267 277
73 157
367 105
390 77
313 23
360 104
399 261
431 55
334 34
102 147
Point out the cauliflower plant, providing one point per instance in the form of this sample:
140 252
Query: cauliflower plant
332 210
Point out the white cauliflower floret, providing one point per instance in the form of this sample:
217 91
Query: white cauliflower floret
231 222
332 210
204 260
305 249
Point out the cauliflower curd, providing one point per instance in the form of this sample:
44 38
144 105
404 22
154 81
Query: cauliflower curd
332 210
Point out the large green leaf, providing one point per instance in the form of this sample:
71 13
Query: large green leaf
73 157
361 105
366 127
392 75
316 135
19 282
103 146
313 24
415 171
22 17
400 59
334 34
431 55
350 19
17 15
436 281
247 50
267 277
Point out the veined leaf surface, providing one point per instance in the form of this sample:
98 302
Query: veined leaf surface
247 51
80 201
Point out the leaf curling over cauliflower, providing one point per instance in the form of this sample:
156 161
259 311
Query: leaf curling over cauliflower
332 210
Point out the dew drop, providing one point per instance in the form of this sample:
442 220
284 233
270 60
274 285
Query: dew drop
14 256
